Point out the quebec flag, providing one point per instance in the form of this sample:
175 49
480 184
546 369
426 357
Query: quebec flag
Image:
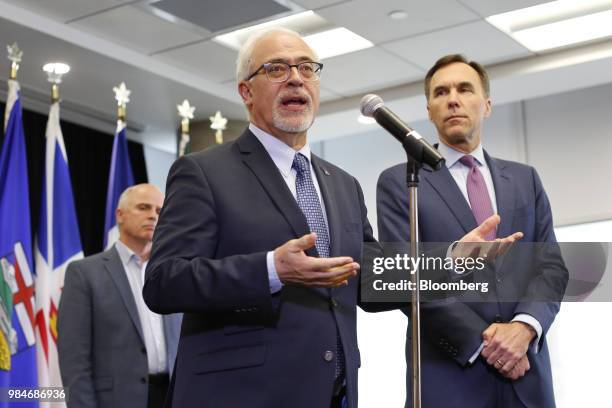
57 244
119 178
17 306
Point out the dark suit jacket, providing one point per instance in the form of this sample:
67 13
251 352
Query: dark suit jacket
451 330
240 346
101 347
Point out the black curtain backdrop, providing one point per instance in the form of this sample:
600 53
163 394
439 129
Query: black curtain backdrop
89 156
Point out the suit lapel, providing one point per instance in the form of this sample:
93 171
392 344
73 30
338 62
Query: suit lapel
331 206
504 195
446 187
113 265
255 156
328 193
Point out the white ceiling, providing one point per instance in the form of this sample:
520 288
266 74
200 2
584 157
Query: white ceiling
164 60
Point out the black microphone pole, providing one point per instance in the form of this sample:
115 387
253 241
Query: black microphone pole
418 151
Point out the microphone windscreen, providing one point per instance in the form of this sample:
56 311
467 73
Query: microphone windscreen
370 103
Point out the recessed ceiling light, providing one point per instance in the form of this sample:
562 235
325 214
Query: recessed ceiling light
398 15
335 42
557 23
58 68
327 41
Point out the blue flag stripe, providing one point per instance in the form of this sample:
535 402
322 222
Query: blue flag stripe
120 178
15 227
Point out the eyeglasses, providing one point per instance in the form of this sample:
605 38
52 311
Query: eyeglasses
280 71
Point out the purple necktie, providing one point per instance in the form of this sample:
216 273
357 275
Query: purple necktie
478 193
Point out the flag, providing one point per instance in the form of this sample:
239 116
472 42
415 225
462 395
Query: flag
17 306
57 244
120 177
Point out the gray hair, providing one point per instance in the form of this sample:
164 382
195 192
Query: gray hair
243 61
123 198
122 203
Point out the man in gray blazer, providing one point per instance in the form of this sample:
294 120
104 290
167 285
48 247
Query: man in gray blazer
113 351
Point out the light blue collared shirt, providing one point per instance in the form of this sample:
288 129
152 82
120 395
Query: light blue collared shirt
152 324
282 155
459 172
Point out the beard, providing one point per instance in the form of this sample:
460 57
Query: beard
293 122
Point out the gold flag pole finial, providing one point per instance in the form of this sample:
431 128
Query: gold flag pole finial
55 71
218 123
185 111
14 54
122 95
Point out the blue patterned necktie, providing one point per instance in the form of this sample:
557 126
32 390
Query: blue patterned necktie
309 203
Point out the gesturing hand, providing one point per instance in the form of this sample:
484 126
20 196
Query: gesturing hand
294 266
473 244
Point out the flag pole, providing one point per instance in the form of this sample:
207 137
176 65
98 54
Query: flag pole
120 175
185 111
14 54
55 71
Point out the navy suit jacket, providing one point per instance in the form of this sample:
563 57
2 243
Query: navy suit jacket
451 330
225 208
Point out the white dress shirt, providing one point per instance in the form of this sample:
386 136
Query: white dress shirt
459 172
152 324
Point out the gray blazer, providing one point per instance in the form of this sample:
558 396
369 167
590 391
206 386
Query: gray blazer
102 355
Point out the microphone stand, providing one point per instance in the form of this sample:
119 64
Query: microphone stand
412 181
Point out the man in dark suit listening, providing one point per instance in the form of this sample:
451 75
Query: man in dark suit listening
492 353
113 351
258 244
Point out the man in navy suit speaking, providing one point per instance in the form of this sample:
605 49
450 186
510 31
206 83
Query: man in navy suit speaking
491 353
258 244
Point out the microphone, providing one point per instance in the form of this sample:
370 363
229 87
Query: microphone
422 152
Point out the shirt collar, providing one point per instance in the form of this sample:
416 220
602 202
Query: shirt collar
281 154
125 253
452 156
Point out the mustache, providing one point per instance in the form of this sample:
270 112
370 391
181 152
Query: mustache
293 95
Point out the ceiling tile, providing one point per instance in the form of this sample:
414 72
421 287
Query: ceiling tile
327 95
370 18
65 10
89 84
366 70
486 8
216 15
209 59
137 29
315 4
424 50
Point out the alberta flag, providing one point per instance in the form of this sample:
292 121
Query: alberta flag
120 177
17 307
57 244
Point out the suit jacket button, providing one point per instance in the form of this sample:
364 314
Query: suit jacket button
143 350
328 356
333 303
143 380
498 318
